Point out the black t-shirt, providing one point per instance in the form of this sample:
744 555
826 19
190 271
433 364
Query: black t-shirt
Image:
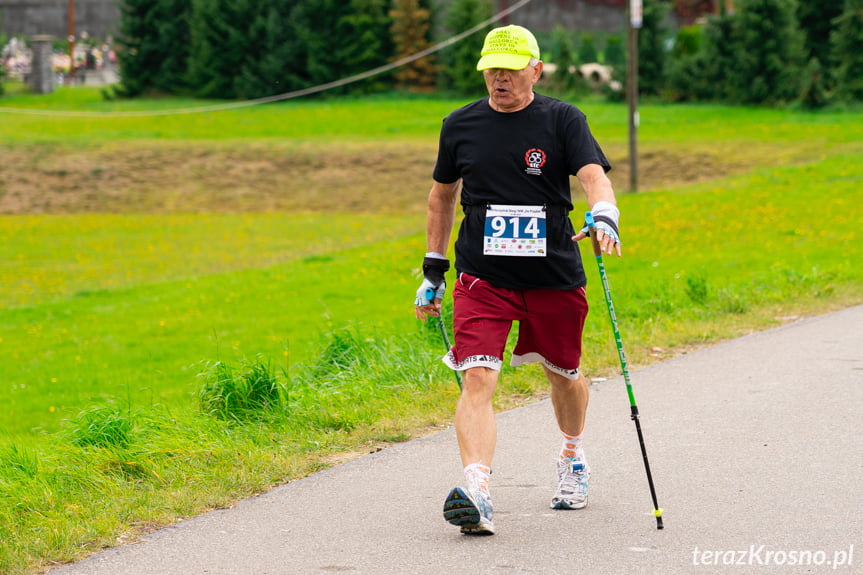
519 158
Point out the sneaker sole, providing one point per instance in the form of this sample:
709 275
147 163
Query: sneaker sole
568 506
459 510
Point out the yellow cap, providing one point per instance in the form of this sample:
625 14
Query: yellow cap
510 47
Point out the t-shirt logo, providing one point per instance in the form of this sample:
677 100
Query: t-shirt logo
534 158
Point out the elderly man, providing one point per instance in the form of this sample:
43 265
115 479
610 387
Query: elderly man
511 155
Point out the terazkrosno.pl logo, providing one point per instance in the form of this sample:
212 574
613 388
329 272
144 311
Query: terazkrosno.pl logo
757 555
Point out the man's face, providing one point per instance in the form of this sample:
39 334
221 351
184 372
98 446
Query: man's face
511 90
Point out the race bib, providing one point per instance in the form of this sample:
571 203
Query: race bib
514 231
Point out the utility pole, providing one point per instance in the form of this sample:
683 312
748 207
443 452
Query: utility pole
632 90
71 41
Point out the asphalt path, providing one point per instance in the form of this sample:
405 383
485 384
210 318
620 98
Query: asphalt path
756 448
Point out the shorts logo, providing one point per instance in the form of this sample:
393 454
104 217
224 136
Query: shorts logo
535 159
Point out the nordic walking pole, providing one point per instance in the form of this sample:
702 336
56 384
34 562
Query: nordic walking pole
597 251
430 296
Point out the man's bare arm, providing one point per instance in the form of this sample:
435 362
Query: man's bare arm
441 215
441 218
597 188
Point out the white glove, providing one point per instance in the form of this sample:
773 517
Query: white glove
606 215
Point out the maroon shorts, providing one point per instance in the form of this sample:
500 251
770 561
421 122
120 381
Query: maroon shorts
550 326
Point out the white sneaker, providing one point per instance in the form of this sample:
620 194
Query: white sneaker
572 477
469 509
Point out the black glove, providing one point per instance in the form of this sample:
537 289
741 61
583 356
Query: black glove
434 283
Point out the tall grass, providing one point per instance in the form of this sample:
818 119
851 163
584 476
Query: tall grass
232 393
255 426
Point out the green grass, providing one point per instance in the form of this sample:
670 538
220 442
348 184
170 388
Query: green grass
381 117
388 117
50 257
156 366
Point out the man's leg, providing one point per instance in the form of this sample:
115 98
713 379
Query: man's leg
569 398
474 416
471 509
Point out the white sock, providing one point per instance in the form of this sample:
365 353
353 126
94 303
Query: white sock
571 447
477 476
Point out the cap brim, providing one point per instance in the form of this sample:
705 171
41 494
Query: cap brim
505 61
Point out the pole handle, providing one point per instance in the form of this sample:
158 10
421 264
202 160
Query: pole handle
591 230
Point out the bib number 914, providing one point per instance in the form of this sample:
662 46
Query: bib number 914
516 227
515 231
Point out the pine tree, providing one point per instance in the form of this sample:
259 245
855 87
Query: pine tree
140 52
716 61
651 47
459 71
769 52
219 42
847 51
318 33
816 21
153 46
274 62
409 33
364 41
173 28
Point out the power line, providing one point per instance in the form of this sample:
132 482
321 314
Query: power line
279 97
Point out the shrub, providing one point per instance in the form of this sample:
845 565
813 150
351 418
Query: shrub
587 50
239 394
696 289
685 68
102 426
565 82
614 55
814 95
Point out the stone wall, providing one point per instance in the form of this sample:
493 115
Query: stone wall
98 18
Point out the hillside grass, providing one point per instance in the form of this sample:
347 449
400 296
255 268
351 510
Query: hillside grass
157 365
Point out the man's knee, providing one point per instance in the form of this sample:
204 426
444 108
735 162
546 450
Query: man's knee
479 381
562 382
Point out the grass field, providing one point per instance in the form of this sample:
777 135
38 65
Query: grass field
155 270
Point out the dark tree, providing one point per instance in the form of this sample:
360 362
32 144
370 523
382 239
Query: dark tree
847 51
769 54
458 70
